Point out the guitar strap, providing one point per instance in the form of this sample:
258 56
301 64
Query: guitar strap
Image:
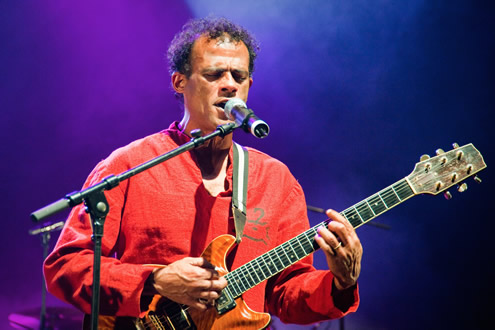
239 189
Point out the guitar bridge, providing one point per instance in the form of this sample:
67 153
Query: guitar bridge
225 303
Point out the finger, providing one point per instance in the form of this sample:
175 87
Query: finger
328 237
211 285
211 270
198 305
209 274
325 247
209 295
340 231
201 262
208 265
336 216
218 284
349 234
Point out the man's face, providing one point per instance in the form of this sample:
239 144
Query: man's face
219 71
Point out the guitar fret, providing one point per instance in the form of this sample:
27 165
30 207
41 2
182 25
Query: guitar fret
374 214
239 281
297 248
345 216
303 254
365 211
308 244
246 274
266 267
232 292
405 190
384 204
390 197
283 255
252 270
377 205
313 234
350 214
309 241
395 193
385 198
291 256
231 284
359 215
258 270
393 197
278 257
230 287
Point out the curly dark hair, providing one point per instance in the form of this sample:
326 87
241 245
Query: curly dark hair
179 52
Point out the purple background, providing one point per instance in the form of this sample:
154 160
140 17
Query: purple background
354 92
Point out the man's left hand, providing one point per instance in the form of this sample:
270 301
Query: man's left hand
342 249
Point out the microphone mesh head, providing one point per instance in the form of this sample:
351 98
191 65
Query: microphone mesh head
231 104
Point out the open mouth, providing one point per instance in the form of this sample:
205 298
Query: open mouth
221 104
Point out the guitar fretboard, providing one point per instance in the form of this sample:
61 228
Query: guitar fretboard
279 258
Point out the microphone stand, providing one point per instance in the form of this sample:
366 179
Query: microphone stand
44 232
97 205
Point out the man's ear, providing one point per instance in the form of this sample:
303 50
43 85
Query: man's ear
250 82
179 82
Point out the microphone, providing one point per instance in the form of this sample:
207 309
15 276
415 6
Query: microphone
237 110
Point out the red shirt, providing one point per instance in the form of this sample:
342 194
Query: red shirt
165 214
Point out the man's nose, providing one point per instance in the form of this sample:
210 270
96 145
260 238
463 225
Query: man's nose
228 84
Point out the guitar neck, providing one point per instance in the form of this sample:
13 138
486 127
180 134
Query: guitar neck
279 258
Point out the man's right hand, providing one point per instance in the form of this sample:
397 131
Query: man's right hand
189 281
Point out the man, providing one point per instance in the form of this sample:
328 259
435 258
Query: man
168 214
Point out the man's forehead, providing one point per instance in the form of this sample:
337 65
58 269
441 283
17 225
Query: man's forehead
223 46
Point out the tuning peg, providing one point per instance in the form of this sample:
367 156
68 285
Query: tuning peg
438 185
424 157
455 145
439 151
462 187
447 195
477 179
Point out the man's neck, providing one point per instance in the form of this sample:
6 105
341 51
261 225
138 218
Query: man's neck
212 155
212 159
213 162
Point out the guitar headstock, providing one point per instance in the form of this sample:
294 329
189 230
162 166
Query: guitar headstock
437 174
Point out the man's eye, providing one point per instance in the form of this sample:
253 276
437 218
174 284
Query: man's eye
240 79
212 76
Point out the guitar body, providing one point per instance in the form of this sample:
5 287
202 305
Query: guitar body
163 313
241 317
